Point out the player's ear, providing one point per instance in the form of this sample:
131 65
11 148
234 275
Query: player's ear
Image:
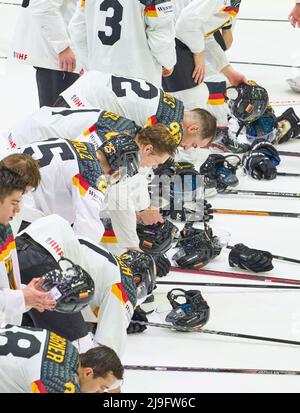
194 128
148 149
88 372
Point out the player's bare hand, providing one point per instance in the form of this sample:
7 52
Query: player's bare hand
34 298
67 60
150 216
199 69
167 72
294 16
234 77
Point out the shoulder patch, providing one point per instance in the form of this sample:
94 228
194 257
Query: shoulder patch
157 8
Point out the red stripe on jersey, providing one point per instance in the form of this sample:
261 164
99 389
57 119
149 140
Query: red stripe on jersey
81 184
38 387
119 291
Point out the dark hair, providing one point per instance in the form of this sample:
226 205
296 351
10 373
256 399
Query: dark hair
10 181
208 123
102 360
25 166
159 137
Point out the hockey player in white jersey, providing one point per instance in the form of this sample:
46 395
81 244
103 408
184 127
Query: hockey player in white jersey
134 39
142 102
196 22
61 123
73 184
121 283
40 361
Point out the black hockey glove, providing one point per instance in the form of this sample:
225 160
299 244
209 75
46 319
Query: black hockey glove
138 315
250 259
259 166
267 149
163 265
288 126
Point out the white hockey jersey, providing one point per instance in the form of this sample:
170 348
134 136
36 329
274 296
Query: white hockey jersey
132 98
42 32
130 38
73 185
115 293
83 124
36 361
196 20
12 303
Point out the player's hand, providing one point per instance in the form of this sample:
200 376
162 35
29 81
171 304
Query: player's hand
199 70
150 216
67 60
167 72
235 78
294 16
35 298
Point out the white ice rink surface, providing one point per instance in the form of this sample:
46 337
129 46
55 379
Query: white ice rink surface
258 312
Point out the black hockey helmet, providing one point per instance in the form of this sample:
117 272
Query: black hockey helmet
121 152
189 308
158 238
177 179
196 248
248 101
144 269
72 287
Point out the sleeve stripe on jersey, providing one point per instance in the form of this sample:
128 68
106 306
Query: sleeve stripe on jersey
216 99
231 10
150 11
81 184
109 237
90 130
119 291
6 249
38 387
152 121
83 3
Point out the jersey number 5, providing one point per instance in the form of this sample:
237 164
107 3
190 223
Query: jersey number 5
113 22
66 153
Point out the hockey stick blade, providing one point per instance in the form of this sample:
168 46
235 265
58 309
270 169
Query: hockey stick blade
218 333
244 276
215 370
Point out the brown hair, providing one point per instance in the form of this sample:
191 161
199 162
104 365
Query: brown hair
10 181
103 360
159 137
25 166
207 121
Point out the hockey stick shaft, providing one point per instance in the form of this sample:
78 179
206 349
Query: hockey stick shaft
257 213
276 257
274 287
215 370
245 276
262 193
219 333
291 174
287 153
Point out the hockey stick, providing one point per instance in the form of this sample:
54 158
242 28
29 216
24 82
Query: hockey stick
262 20
294 195
243 276
276 257
287 174
286 153
265 64
257 213
217 333
274 287
215 370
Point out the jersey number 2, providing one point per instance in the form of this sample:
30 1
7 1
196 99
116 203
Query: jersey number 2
113 22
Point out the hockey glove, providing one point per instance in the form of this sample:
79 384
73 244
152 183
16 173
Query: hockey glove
163 265
267 149
288 126
259 166
250 259
138 315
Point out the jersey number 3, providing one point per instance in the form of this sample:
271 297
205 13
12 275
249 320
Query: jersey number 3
113 22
